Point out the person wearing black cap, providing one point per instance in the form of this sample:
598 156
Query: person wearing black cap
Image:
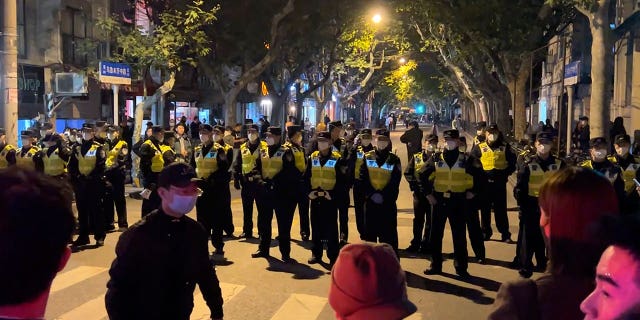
326 170
421 207
629 166
337 137
115 175
159 283
476 237
86 170
29 155
45 129
212 162
581 135
55 156
247 175
220 138
480 137
498 162
601 164
278 181
294 143
154 156
533 171
101 133
380 175
456 180
182 146
356 157
413 139
73 138
7 151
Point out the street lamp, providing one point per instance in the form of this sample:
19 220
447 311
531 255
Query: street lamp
377 18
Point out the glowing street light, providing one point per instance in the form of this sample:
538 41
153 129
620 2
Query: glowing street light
377 18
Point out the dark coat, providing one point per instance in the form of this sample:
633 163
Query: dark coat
413 139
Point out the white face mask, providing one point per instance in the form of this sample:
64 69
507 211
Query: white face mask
430 148
43 133
217 137
204 138
599 154
72 138
452 145
271 141
492 137
323 145
111 136
87 136
366 142
26 142
543 148
382 145
622 151
252 137
479 132
182 204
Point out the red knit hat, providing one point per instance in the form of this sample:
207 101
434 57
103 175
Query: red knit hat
369 284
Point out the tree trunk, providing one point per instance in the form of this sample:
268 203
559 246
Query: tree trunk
518 88
601 63
481 104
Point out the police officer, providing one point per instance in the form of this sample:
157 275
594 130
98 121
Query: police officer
476 237
29 155
86 168
247 175
325 171
480 137
294 143
116 162
224 193
600 163
498 162
339 144
101 132
154 156
629 166
356 157
533 171
7 151
55 156
45 129
278 181
380 175
212 162
421 207
455 180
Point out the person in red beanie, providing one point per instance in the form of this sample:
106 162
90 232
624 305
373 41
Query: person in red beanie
369 284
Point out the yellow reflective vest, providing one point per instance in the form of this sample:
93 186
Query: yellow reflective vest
157 162
298 156
628 174
113 154
87 162
271 166
26 161
360 153
248 158
3 155
206 164
418 164
493 159
452 179
53 164
379 176
323 177
537 177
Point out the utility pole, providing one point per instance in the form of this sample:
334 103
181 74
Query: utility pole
9 84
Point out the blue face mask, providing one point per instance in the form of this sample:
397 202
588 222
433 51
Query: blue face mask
182 204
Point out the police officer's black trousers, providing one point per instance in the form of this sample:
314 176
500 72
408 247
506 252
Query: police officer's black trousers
223 194
381 223
532 240
496 198
358 206
343 214
421 220
153 203
248 195
89 193
324 224
476 237
453 209
210 215
114 195
285 210
303 210
265 201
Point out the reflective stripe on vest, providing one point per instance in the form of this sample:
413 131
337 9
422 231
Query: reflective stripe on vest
379 176
206 164
53 164
300 161
113 154
26 160
323 177
157 162
628 175
493 159
271 166
418 164
537 176
612 176
248 158
87 163
452 179
3 156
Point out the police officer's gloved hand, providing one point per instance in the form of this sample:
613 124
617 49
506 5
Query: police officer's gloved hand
236 184
377 198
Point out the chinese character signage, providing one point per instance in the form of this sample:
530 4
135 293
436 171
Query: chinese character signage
115 73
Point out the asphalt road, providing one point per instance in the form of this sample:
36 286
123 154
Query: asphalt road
264 289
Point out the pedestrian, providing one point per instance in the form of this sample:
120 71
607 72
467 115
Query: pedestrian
194 130
617 291
37 224
533 171
29 156
368 283
616 129
380 175
154 156
598 162
326 171
421 207
182 147
247 176
581 135
572 201
413 139
456 181
629 166
389 123
86 171
7 151
115 164
294 143
160 259
498 162
362 145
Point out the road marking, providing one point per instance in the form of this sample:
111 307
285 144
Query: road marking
300 307
201 310
74 276
91 310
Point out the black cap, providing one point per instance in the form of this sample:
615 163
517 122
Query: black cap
206 127
177 174
149 124
157 129
431 138
481 125
27 133
51 137
220 129
544 137
622 138
248 121
324 135
169 134
583 118
73 131
599 141
100 123
365 131
274 131
451 134
414 123
493 127
46 126
2 132
335 124
88 126
382 132
112 128
251 127
292 130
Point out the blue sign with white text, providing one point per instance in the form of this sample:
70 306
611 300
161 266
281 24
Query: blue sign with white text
115 73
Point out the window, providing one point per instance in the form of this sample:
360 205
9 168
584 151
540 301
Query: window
74 31
22 42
